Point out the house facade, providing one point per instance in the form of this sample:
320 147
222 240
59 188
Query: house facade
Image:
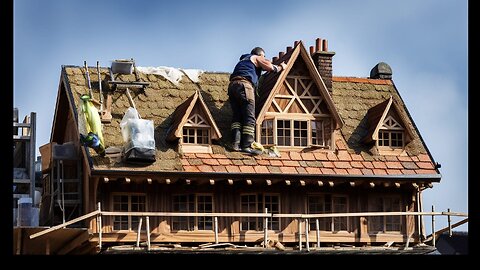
347 145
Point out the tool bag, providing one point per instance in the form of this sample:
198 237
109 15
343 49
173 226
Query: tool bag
138 138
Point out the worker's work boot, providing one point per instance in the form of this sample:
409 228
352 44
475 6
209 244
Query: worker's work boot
246 144
236 136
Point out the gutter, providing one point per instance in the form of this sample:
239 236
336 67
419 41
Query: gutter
181 174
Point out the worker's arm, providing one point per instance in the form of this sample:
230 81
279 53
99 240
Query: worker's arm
266 65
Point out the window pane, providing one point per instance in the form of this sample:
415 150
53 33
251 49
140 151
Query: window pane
283 132
300 133
205 205
267 132
340 206
249 205
180 204
272 204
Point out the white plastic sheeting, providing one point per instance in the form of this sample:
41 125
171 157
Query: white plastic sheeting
172 74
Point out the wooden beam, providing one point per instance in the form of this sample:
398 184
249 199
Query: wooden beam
320 183
230 181
439 232
249 182
302 183
127 179
168 181
149 180
106 179
330 183
19 242
372 185
63 225
212 182
352 183
415 185
269 182
397 185
287 182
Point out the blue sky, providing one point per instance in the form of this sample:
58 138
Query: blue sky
424 42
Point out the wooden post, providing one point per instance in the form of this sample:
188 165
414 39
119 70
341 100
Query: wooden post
138 231
449 223
307 243
299 234
99 224
433 226
265 230
215 220
147 219
47 246
19 242
317 226
418 216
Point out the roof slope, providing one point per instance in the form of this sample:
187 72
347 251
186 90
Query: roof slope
352 98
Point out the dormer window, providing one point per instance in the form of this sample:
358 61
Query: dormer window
196 131
193 126
387 128
297 110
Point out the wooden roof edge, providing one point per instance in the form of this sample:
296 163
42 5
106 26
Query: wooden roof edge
427 178
176 129
280 79
210 117
380 121
323 88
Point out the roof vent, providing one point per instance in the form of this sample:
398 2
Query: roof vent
381 71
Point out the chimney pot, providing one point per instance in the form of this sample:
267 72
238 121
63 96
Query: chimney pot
289 48
312 50
274 59
325 45
318 44
281 54
296 43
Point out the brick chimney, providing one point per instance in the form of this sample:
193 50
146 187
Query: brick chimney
322 59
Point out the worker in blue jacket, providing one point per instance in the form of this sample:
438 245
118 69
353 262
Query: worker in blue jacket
241 92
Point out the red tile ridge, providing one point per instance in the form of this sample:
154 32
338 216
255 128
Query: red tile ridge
361 80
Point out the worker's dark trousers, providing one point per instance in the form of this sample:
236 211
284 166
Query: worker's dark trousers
242 100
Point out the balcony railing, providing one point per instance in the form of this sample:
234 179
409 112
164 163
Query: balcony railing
98 214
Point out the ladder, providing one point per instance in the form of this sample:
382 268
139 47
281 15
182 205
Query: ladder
23 157
65 183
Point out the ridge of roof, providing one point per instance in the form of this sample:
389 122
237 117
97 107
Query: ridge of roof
361 80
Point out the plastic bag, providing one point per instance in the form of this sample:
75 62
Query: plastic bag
136 132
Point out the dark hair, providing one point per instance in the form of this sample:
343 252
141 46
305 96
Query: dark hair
257 51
